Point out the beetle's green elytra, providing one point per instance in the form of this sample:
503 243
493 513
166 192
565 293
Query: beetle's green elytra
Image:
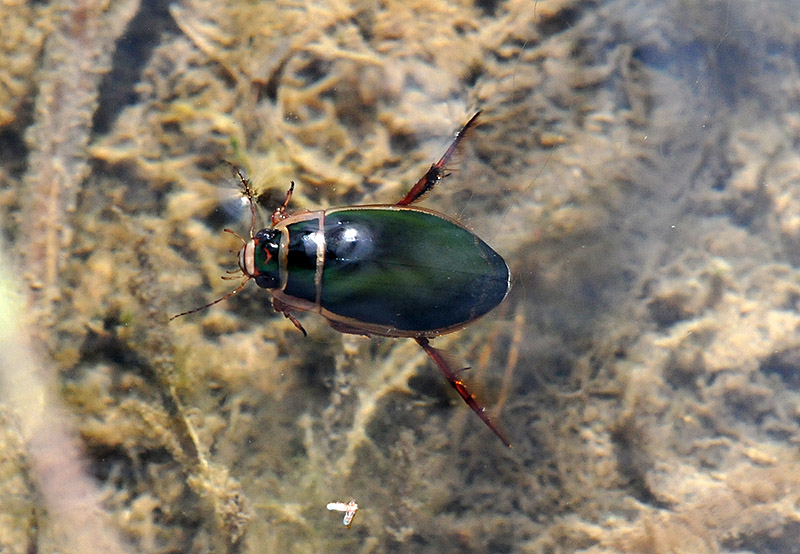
386 270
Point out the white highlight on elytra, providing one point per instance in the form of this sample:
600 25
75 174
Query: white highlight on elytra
350 234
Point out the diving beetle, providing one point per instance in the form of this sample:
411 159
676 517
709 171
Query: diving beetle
386 269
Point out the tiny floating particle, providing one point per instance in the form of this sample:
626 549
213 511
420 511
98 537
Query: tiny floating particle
349 510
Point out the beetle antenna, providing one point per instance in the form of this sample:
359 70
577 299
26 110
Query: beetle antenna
217 301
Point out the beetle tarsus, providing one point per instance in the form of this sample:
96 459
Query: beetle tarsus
460 386
297 324
436 171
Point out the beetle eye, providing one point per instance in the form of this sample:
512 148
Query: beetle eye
268 235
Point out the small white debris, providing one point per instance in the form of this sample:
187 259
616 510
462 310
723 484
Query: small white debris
349 510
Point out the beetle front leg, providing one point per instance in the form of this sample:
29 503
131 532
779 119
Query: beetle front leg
460 386
280 214
436 171
287 313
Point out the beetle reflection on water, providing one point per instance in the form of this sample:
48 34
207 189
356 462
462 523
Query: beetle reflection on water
391 270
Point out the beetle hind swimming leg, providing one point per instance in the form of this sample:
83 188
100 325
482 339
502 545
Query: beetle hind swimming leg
461 387
436 171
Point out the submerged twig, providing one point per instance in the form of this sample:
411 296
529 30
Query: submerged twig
77 53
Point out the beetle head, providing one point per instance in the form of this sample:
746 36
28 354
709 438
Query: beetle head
258 258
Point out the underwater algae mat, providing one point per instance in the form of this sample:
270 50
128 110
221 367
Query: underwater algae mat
635 164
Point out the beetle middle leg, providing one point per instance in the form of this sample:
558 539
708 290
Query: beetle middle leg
436 171
460 386
287 313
